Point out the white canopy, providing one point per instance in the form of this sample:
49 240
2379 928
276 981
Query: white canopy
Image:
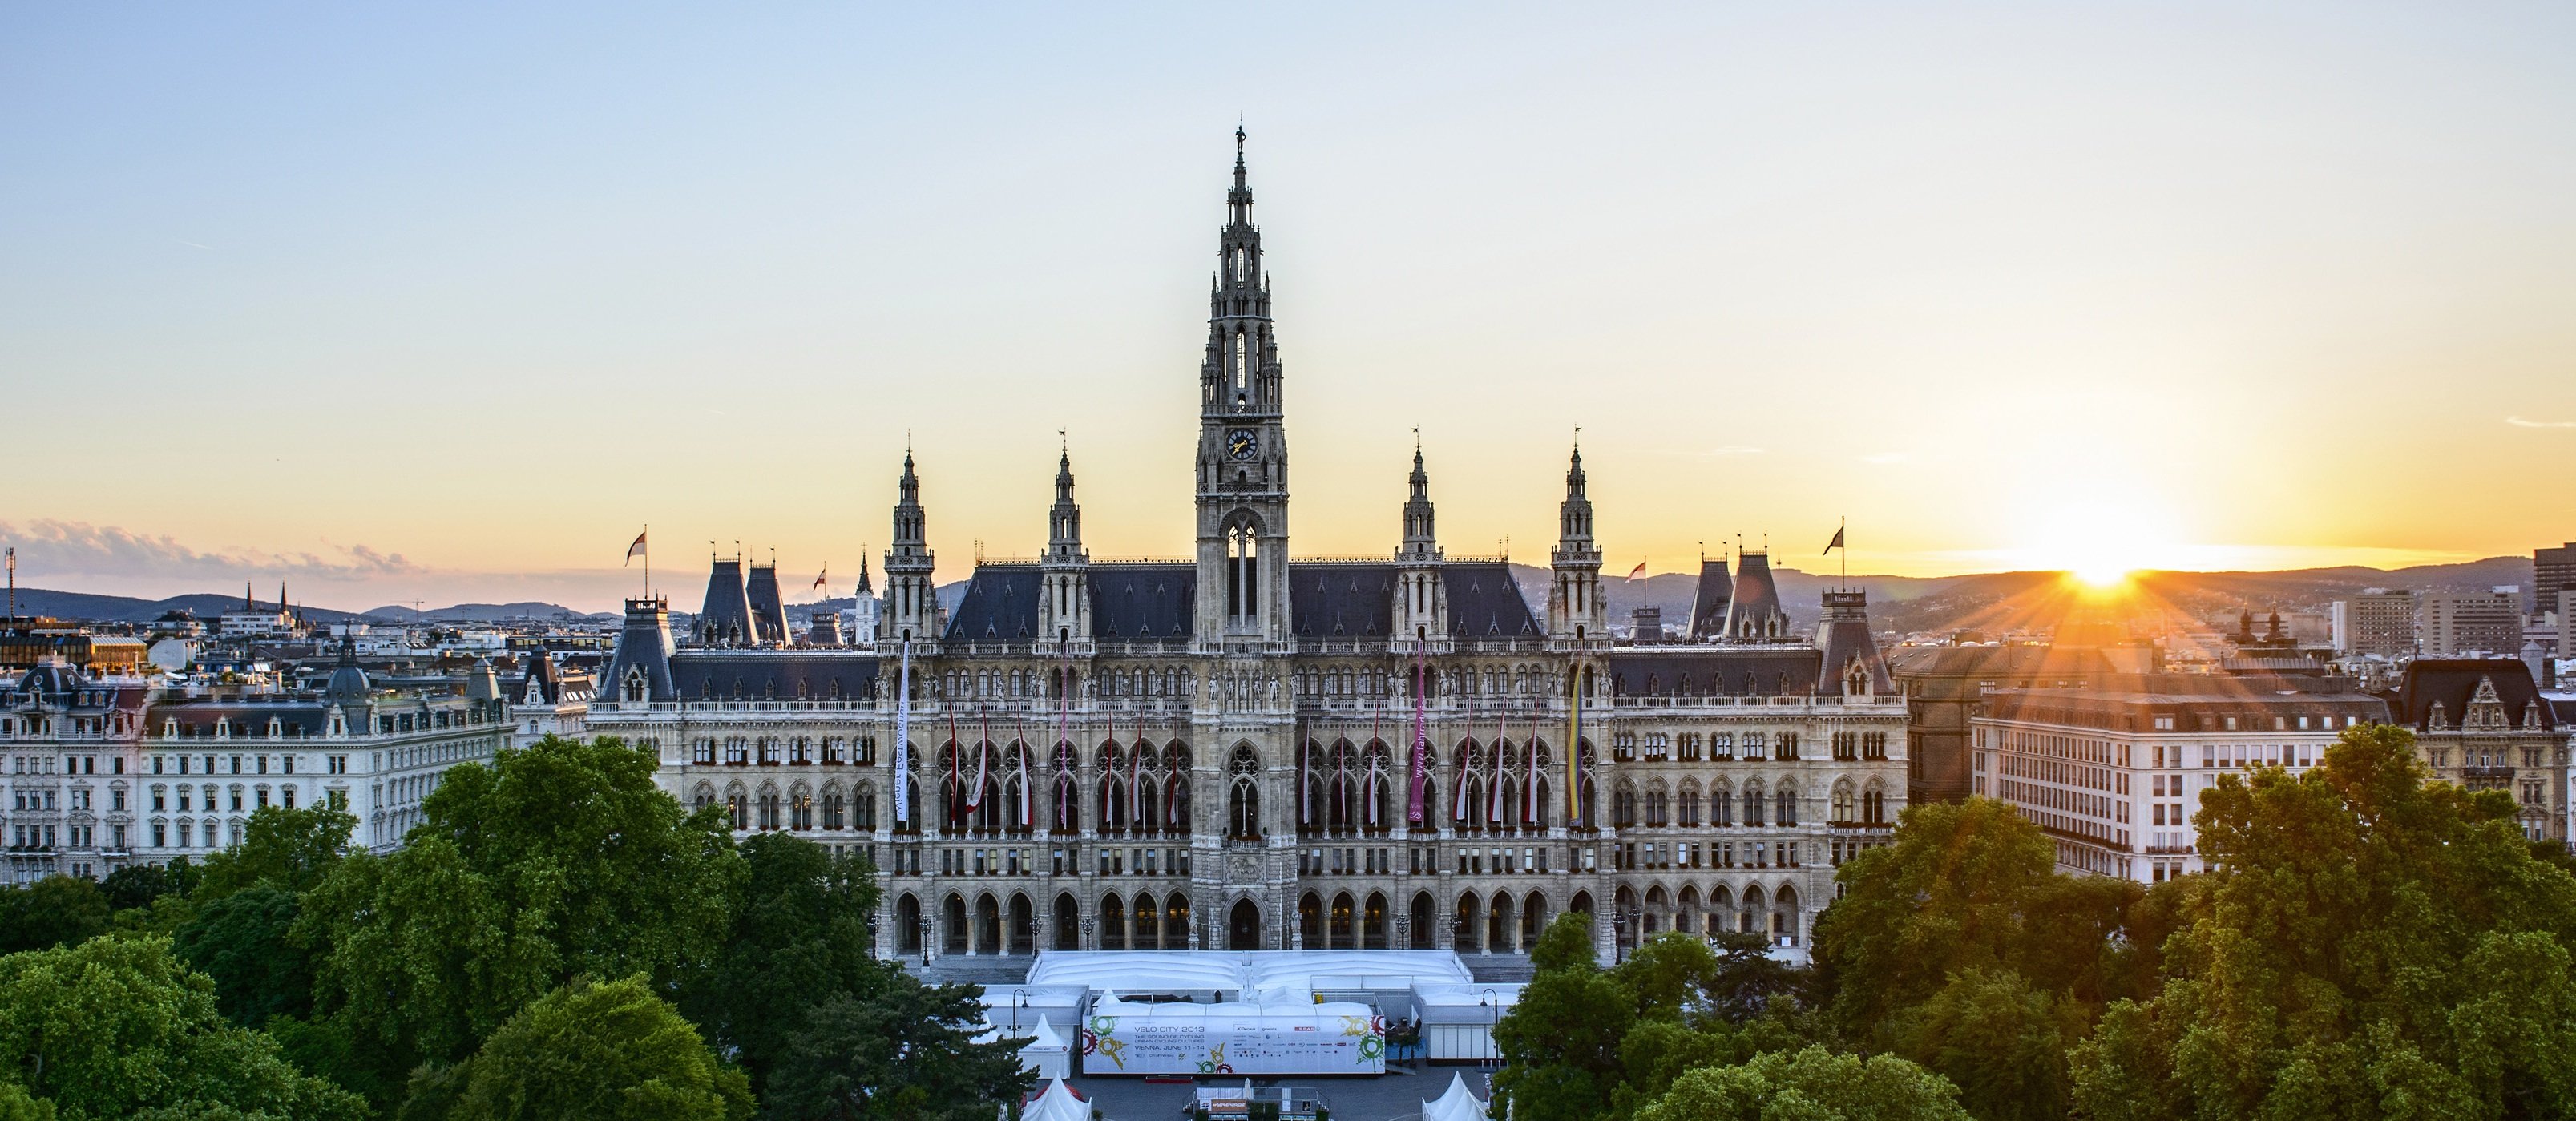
1455 1105
1058 1103
1246 971
1465 1004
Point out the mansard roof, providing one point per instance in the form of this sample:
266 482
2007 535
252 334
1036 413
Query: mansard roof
771 675
198 717
1353 599
1156 601
2452 682
1132 602
1715 671
1140 602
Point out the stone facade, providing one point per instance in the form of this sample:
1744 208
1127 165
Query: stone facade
1238 750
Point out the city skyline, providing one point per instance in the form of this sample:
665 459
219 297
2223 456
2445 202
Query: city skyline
712 279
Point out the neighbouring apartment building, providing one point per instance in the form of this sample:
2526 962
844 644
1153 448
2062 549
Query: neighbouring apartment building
2113 772
2483 723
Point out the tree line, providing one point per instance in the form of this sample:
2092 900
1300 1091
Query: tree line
2366 944
558 938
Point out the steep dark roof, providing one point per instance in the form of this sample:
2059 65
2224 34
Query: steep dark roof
1000 605
726 617
1844 637
1756 602
817 675
1355 599
2451 682
1138 602
1709 602
1720 671
1484 602
768 612
643 649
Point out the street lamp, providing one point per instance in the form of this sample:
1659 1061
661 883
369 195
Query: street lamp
1618 935
1019 1000
922 923
1404 931
1087 920
1494 1008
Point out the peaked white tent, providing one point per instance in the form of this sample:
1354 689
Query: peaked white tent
1058 1103
1456 1105
1047 1054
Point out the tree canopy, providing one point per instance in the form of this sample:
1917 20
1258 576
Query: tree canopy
2365 945
557 861
117 1027
609 1052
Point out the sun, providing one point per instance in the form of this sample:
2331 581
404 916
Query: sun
2101 575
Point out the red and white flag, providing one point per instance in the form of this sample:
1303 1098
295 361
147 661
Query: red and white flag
637 549
1639 572
818 577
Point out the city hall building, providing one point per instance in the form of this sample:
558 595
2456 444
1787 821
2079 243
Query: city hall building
1245 750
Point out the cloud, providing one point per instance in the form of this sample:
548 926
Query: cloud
2518 422
56 548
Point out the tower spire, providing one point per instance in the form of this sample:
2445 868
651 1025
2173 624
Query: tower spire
1575 612
1243 442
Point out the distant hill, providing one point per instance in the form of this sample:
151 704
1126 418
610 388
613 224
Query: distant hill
91 607
87 606
489 612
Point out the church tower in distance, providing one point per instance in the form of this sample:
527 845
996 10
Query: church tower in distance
1243 447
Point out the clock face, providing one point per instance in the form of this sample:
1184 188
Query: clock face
1241 443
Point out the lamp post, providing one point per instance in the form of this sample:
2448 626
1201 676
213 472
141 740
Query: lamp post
1494 1008
1019 1000
1404 931
872 935
922 922
1618 935
1087 921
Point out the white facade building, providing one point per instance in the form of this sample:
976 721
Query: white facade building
2114 773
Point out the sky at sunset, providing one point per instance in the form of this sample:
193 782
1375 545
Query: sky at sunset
447 302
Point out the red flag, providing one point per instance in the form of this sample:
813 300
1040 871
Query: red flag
818 577
1639 572
637 549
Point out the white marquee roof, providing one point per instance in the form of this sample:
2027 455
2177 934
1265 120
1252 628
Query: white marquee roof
1298 971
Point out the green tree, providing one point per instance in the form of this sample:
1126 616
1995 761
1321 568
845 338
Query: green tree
288 849
2364 945
17 1105
243 942
906 1054
115 1027
1968 886
610 1052
1560 1043
800 937
2001 1042
137 885
557 861
1809 1085
54 911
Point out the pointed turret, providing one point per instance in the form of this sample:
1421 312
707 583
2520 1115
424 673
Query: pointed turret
911 611
768 607
1064 605
1421 609
1575 612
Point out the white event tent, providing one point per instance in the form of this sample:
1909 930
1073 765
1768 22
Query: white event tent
1458 1104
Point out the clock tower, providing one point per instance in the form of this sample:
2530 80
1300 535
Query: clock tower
1243 446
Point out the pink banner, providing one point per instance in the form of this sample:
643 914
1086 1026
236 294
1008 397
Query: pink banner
1421 766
